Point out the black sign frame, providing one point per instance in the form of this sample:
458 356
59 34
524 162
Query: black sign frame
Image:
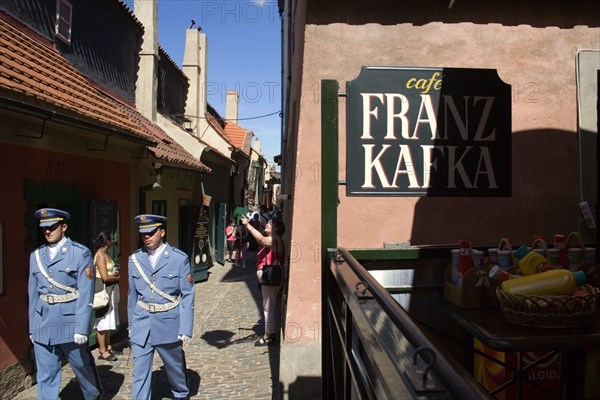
442 132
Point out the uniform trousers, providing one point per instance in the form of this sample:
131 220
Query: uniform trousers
173 359
48 364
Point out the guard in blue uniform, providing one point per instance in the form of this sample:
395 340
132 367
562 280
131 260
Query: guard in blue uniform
61 291
160 307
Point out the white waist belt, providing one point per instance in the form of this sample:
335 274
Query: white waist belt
59 298
155 308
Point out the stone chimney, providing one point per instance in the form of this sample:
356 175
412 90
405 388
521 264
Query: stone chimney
194 67
146 11
231 107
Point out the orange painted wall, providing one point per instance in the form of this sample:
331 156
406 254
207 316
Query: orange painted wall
97 179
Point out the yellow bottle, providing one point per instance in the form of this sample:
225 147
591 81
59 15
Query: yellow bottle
531 262
554 282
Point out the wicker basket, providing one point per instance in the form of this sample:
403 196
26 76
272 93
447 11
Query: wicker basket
577 237
549 311
540 243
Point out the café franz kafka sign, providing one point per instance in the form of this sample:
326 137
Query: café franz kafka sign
428 132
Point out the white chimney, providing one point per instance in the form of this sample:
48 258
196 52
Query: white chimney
194 67
231 106
146 11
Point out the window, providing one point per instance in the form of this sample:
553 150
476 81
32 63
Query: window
159 207
64 13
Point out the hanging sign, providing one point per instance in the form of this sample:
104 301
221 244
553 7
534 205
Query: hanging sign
201 248
428 132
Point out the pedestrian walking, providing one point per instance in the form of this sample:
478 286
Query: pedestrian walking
230 233
107 275
61 292
241 236
160 307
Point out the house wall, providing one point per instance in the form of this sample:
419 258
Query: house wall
48 160
532 46
177 187
101 51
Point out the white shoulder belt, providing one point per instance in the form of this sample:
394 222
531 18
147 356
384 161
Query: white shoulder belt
152 307
55 298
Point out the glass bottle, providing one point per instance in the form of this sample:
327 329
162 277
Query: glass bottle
500 275
559 243
465 260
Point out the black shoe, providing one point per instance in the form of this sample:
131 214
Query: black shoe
107 356
265 341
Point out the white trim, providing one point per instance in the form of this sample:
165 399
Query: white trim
67 21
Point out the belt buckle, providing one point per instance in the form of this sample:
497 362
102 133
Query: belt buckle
50 299
152 308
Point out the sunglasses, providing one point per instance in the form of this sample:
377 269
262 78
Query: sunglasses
151 233
52 227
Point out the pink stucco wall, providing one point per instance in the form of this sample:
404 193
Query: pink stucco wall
539 63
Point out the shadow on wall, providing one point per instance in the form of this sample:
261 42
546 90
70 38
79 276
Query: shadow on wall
545 183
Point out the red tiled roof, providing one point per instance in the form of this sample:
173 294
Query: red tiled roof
236 135
32 68
169 150
231 132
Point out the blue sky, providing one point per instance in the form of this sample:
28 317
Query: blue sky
244 53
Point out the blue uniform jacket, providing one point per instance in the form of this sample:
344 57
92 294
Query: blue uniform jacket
56 323
172 275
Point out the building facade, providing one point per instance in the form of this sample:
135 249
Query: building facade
76 135
547 52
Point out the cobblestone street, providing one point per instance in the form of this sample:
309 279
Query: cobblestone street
222 360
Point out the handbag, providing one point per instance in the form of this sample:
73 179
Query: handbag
101 298
272 274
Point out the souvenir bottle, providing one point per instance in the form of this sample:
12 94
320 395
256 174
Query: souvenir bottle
493 256
554 282
505 259
575 258
554 257
559 243
465 261
477 258
531 262
500 275
454 270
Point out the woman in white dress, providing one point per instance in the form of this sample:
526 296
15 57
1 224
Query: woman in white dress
107 318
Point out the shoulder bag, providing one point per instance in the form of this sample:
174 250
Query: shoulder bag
101 297
272 274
